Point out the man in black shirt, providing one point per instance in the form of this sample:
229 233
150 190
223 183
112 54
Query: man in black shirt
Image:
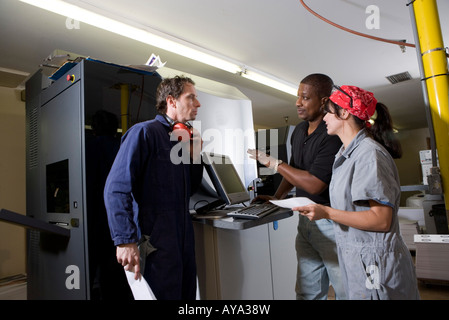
310 171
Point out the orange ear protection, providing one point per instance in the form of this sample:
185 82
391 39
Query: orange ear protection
182 126
179 126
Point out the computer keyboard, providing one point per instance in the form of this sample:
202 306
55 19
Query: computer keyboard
254 211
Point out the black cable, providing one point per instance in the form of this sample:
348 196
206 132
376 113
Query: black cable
141 98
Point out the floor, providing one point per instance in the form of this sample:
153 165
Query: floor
14 288
433 291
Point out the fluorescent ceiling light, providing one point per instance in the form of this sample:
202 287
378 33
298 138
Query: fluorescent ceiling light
163 42
269 80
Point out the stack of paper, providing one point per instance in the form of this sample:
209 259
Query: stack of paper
414 214
432 256
409 229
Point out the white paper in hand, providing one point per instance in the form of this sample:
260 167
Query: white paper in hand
292 202
140 288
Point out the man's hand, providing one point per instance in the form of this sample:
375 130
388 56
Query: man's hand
128 256
262 157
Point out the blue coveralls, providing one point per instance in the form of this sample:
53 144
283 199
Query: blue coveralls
147 194
375 265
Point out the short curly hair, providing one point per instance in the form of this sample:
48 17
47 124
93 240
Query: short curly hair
170 87
322 83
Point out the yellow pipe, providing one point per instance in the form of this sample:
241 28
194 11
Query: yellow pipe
437 80
124 101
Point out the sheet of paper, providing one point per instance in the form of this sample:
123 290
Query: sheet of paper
292 202
155 61
140 288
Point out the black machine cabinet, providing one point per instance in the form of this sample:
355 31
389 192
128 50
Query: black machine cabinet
69 152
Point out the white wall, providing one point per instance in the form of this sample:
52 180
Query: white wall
227 128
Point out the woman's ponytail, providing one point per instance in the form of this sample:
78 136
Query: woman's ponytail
382 131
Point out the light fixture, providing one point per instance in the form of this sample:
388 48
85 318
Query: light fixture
269 80
159 40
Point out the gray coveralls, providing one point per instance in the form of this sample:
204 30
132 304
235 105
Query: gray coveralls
375 265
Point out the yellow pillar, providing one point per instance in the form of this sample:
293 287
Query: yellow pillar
124 101
437 80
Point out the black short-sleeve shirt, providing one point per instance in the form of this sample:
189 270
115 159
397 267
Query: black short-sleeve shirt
314 153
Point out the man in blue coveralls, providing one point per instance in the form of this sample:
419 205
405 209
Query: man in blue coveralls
147 195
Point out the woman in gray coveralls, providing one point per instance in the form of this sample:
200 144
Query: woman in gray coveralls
365 195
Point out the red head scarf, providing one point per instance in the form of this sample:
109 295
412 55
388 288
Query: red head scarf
363 102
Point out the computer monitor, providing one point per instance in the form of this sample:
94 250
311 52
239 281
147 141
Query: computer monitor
225 178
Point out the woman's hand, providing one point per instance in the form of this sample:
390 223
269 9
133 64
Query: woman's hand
312 211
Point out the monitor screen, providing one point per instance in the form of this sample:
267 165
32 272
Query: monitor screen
225 178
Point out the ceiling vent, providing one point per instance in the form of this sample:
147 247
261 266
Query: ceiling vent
400 77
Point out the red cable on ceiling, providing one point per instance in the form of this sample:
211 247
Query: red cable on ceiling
399 43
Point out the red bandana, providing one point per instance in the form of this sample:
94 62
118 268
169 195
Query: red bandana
363 102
